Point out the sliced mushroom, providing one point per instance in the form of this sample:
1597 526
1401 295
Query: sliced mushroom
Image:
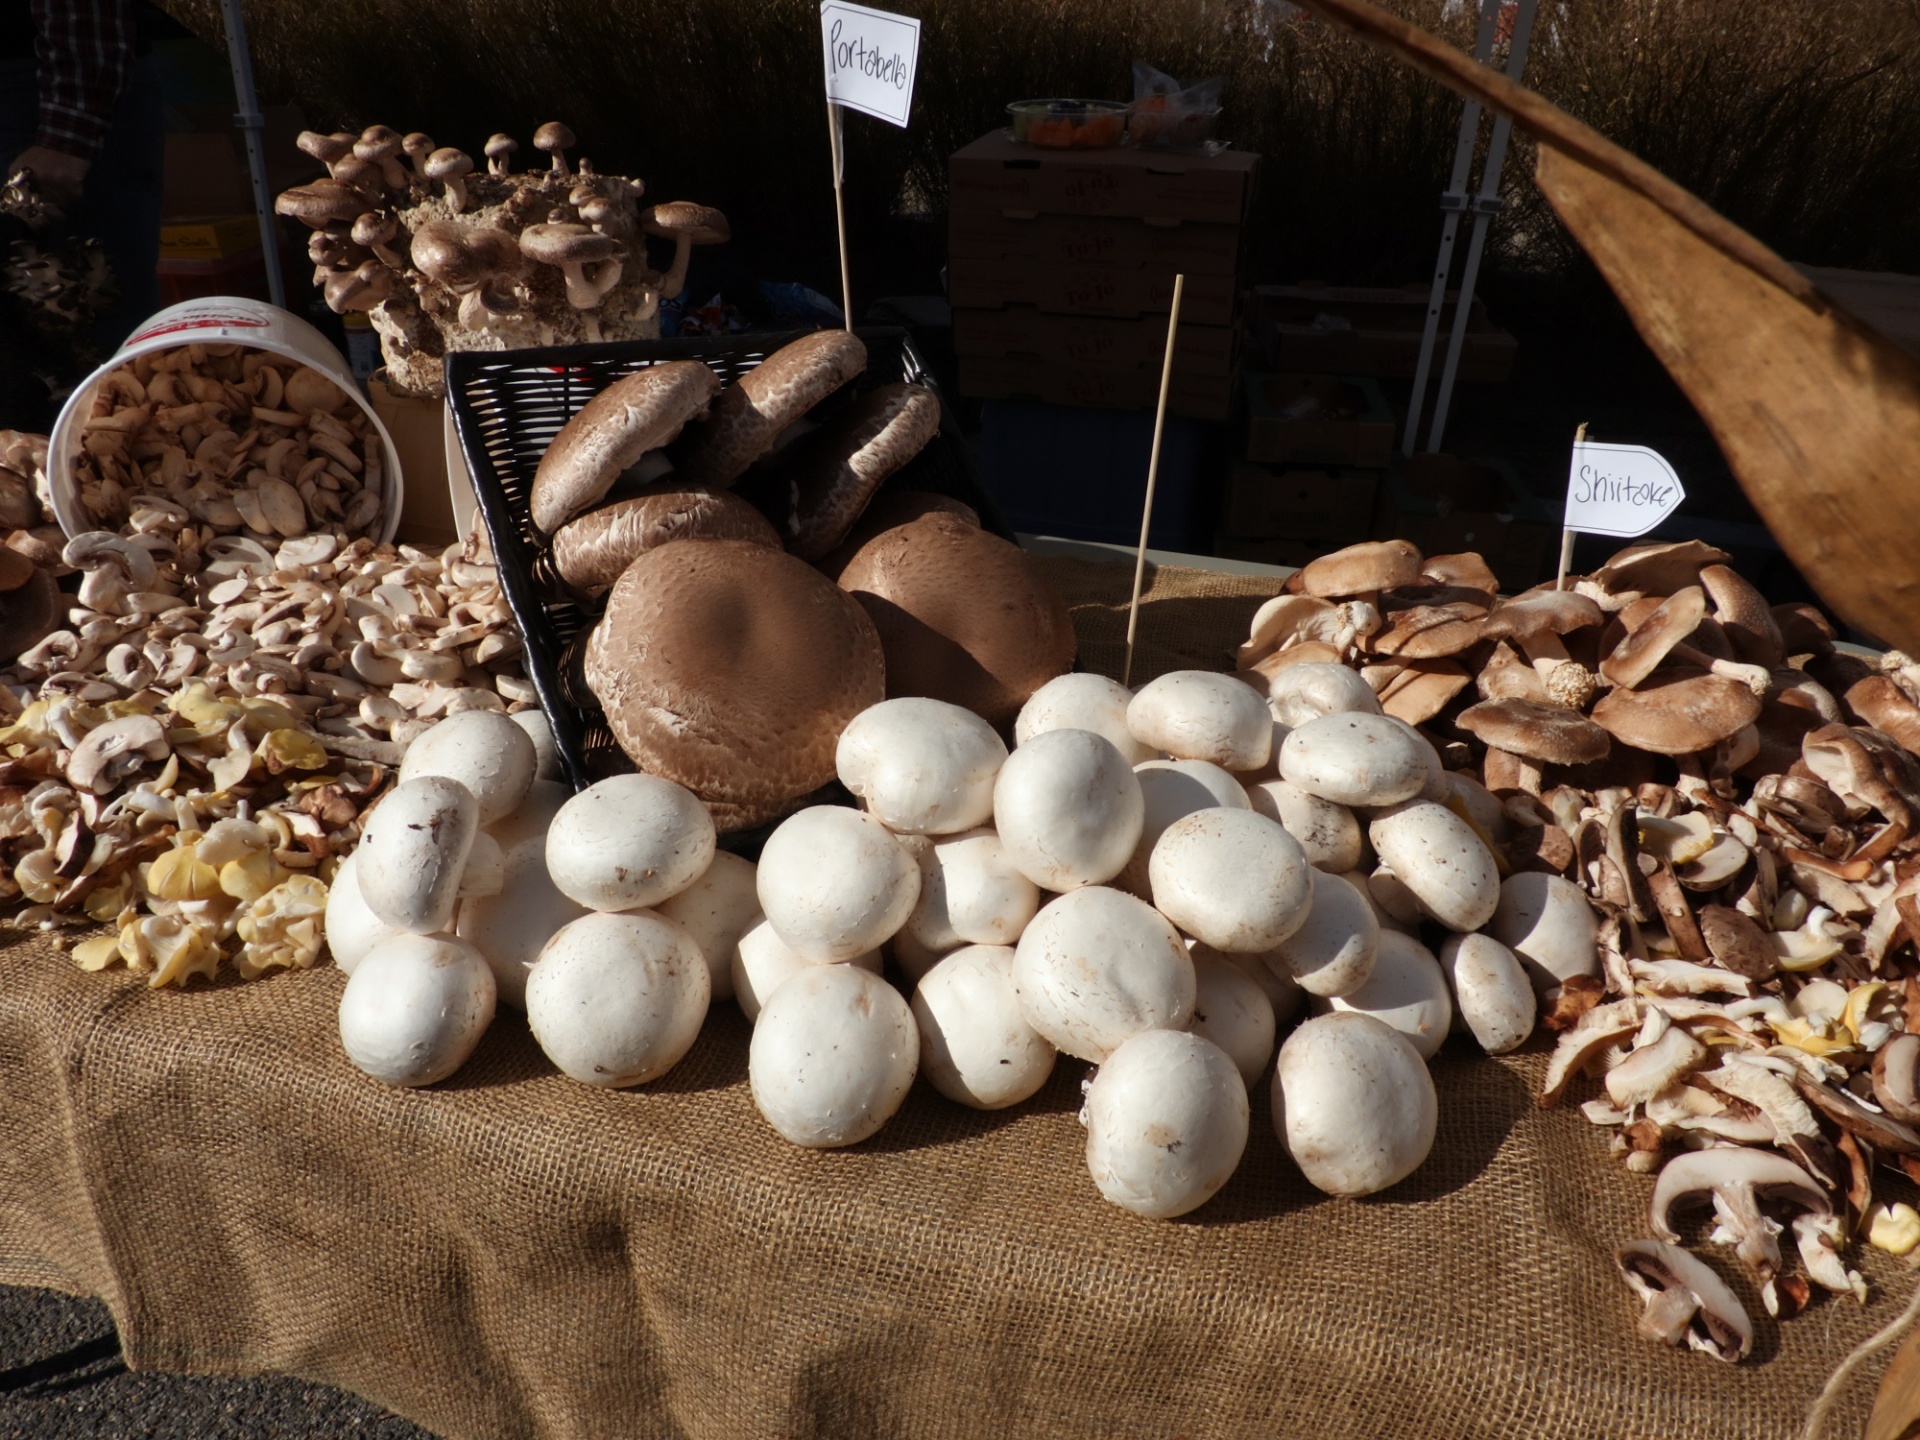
1685 1301
1735 1181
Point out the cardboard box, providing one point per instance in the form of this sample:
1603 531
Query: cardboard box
1357 331
1445 504
209 237
1088 290
1033 377
1321 419
1330 507
419 431
1113 242
1094 340
995 174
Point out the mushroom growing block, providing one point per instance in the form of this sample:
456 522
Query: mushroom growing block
617 1000
1069 809
1166 1119
629 841
482 749
975 1045
414 851
834 883
833 1055
1203 715
1353 1103
1231 879
923 767
415 1007
1097 966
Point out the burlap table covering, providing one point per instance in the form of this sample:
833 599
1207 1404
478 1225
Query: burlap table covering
513 1254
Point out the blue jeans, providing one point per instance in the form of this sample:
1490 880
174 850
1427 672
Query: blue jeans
121 203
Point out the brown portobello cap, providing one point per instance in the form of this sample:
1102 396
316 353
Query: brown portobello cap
893 507
750 414
731 668
633 415
843 465
964 616
593 550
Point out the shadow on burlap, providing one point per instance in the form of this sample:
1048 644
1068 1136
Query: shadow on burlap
512 1254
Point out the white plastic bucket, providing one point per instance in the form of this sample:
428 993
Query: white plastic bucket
217 320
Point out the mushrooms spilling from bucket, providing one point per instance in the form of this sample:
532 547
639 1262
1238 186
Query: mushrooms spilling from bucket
444 253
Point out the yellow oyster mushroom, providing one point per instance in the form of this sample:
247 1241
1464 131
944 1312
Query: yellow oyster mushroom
181 949
98 952
180 874
287 749
1894 1228
264 716
1813 1037
201 708
283 928
251 876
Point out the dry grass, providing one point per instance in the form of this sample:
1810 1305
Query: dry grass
1801 122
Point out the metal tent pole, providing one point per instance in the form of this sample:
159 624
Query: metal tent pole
251 123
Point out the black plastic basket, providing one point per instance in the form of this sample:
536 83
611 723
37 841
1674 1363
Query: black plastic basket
507 407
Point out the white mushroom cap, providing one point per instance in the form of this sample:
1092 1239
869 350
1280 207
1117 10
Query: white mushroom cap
1231 1009
1267 971
913 958
533 816
352 929
629 841
617 999
1356 759
1353 1103
415 850
975 1045
716 910
1171 790
833 1055
1166 1120
1082 700
1332 952
1407 990
415 1007
486 868
540 730
1546 921
922 766
834 884
510 928
1068 808
1438 857
1397 907
1491 993
1299 693
1203 715
482 749
1231 878
762 963
1097 966
1329 833
970 893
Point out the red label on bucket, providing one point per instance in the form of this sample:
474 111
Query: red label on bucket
219 320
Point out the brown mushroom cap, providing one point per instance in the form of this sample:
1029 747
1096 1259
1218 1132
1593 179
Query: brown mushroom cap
1417 691
1677 711
1467 569
731 668
1653 638
1804 630
15 571
320 203
839 468
1737 943
894 506
1362 569
749 415
638 413
327 149
964 616
377 142
1745 616
463 256
561 242
553 136
1550 734
1658 568
1541 612
1884 706
593 550
1429 632
448 164
700 224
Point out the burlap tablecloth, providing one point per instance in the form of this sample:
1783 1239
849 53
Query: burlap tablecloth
513 1254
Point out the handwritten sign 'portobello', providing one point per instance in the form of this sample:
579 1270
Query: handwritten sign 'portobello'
1622 490
870 59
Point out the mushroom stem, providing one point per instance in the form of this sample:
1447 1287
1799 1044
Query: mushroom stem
1756 678
676 277
585 291
456 193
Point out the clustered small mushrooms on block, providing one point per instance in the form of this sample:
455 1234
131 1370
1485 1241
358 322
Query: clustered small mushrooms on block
443 255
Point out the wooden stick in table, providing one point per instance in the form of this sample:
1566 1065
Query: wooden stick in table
1566 535
835 128
1153 479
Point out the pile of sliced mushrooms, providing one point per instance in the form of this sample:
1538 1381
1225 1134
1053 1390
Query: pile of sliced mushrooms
444 253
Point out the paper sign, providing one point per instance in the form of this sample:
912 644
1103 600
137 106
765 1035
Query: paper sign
870 59
1622 490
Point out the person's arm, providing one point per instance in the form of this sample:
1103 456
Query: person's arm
83 49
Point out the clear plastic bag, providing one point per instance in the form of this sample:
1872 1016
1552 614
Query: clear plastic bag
1164 113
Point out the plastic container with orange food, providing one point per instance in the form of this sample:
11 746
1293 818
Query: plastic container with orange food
1068 124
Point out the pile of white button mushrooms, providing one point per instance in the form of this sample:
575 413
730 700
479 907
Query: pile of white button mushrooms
444 253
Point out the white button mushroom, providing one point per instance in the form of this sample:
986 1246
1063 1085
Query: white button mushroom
617 999
1353 1103
1397 907
1299 693
546 754
1332 952
970 894
833 1055
1166 1120
1082 701
533 815
913 958
352 929
834 883
1356 759
1231 878
975 1045
1267 971
1407 990
414 852
1068 808
482 749
1096 966
1203 715
1329 833
922 766
1438 857
716 910
415 1007
762 963
1491 993
628 842
1172 789
509 929
1232 1010
486 868
1547 922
